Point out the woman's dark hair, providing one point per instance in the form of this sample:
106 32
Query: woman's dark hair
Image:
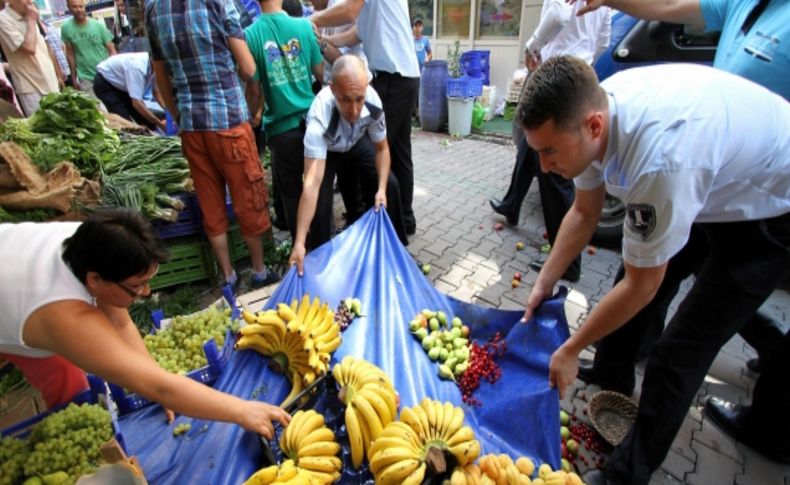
115 243
561 89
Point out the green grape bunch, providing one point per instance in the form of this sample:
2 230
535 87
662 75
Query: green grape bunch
68 441
178 348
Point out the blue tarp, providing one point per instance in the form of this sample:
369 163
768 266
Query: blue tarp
519 415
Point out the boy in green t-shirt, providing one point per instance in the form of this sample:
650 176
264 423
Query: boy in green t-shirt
88 42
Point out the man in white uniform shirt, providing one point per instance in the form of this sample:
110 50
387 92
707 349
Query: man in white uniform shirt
679 149
346 126
120 84
384 29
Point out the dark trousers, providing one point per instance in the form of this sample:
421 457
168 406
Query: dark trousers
617 354
277 204
360 163
287 171
350 191
556 193
398 95
117 101
768 417
746 261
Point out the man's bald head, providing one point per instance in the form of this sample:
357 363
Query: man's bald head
349 85
348 65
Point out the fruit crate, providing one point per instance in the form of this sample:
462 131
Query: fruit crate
217 360
457 87
236 246
190 261
476 64
98 393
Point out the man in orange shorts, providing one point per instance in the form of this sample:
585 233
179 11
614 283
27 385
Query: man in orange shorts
200 84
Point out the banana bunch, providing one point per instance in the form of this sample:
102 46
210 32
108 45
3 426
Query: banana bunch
287 472
401 454
312 446
371 403
299 338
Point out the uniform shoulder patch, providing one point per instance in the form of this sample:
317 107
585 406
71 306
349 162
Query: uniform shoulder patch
641 218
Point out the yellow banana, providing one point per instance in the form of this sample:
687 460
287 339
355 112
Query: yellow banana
264 476
310 423
458 477
324 358
461 436
304 306
409 416
330 346
337 373
256 342
319 435
308 378
430 410
324 478
330 333
287 471
466 452
426 425
378 403
285 312
270 319
326 464
293 325
449 412
403 431
311 313
395 473
324 325
248 317
319 448
416 477
555 478
456 421
387 456
363 407
296 388
355 438
384 442
294 305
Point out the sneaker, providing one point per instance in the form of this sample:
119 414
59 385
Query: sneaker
271 278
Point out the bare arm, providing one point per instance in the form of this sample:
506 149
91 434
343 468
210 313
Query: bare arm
243 58
341 13
28 45
313 175
146 113
625 300
165 88
318 72
383 172
86 337
255 101
72 63
110 48
56 65
344 39
677 11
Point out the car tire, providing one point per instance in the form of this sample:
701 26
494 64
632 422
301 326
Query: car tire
609 233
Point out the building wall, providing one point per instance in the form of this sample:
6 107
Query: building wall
507 53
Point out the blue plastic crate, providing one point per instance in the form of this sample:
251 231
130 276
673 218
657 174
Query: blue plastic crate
217 360
476 64
474 87
97 393
190 219
457 87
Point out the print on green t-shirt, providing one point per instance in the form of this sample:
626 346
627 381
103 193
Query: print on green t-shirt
89 43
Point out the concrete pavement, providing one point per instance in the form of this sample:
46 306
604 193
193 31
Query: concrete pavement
472 261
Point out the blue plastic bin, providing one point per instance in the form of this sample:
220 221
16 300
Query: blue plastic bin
433 96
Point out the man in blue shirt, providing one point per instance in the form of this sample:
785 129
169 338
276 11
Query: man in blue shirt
422 46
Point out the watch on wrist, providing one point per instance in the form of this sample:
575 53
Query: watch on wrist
323 46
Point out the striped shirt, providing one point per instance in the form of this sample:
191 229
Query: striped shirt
191 37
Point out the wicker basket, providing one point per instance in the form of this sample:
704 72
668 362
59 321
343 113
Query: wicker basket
612 414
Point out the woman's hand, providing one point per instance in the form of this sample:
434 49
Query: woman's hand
259 417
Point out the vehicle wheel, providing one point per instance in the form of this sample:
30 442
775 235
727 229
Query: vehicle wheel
609 232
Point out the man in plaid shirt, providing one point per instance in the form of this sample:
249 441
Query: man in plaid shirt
196 46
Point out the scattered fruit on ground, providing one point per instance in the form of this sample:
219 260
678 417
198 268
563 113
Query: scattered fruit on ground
498 226
514 283
371 403
545 248
517 276
299 338
417 443
426 268
591 250
519 246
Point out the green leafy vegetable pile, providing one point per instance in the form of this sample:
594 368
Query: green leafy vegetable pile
67 126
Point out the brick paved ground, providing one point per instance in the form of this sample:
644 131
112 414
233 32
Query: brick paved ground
471 261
